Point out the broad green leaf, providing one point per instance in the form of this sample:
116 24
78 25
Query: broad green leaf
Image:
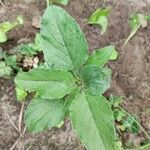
43 114
48 83
99 17
101 56
4 69
63 43
93 122
20 94
3 37
96 79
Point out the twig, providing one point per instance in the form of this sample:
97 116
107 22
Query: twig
2 3
21 136
24 130
14 145
20 117
12 123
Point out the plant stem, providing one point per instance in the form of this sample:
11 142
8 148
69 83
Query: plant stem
136 122
48 3
2 3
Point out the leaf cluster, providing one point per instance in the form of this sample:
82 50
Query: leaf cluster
72 85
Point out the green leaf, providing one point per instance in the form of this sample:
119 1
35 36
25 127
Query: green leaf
5 26
19 20
12 61
26 50
99 17
69 100
42 114
101 56
115 100
4 69
96 79
48 83
3 37
63 43
93 122
131 124
118 145
37 45
119 115
20 94
31 48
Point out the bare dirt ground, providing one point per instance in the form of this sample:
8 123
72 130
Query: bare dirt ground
131 72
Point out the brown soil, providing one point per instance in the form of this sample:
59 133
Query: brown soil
131 71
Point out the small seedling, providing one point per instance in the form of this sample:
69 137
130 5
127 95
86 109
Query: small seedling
72 84
7 26
137 21
99 17
124 121
25 55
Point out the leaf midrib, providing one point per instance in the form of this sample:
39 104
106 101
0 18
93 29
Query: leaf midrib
63 40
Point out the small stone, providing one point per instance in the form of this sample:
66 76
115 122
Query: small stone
36 22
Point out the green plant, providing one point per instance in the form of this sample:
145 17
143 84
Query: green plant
23 55
124 121
137 20
7 64
99 17
7 26
72 85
